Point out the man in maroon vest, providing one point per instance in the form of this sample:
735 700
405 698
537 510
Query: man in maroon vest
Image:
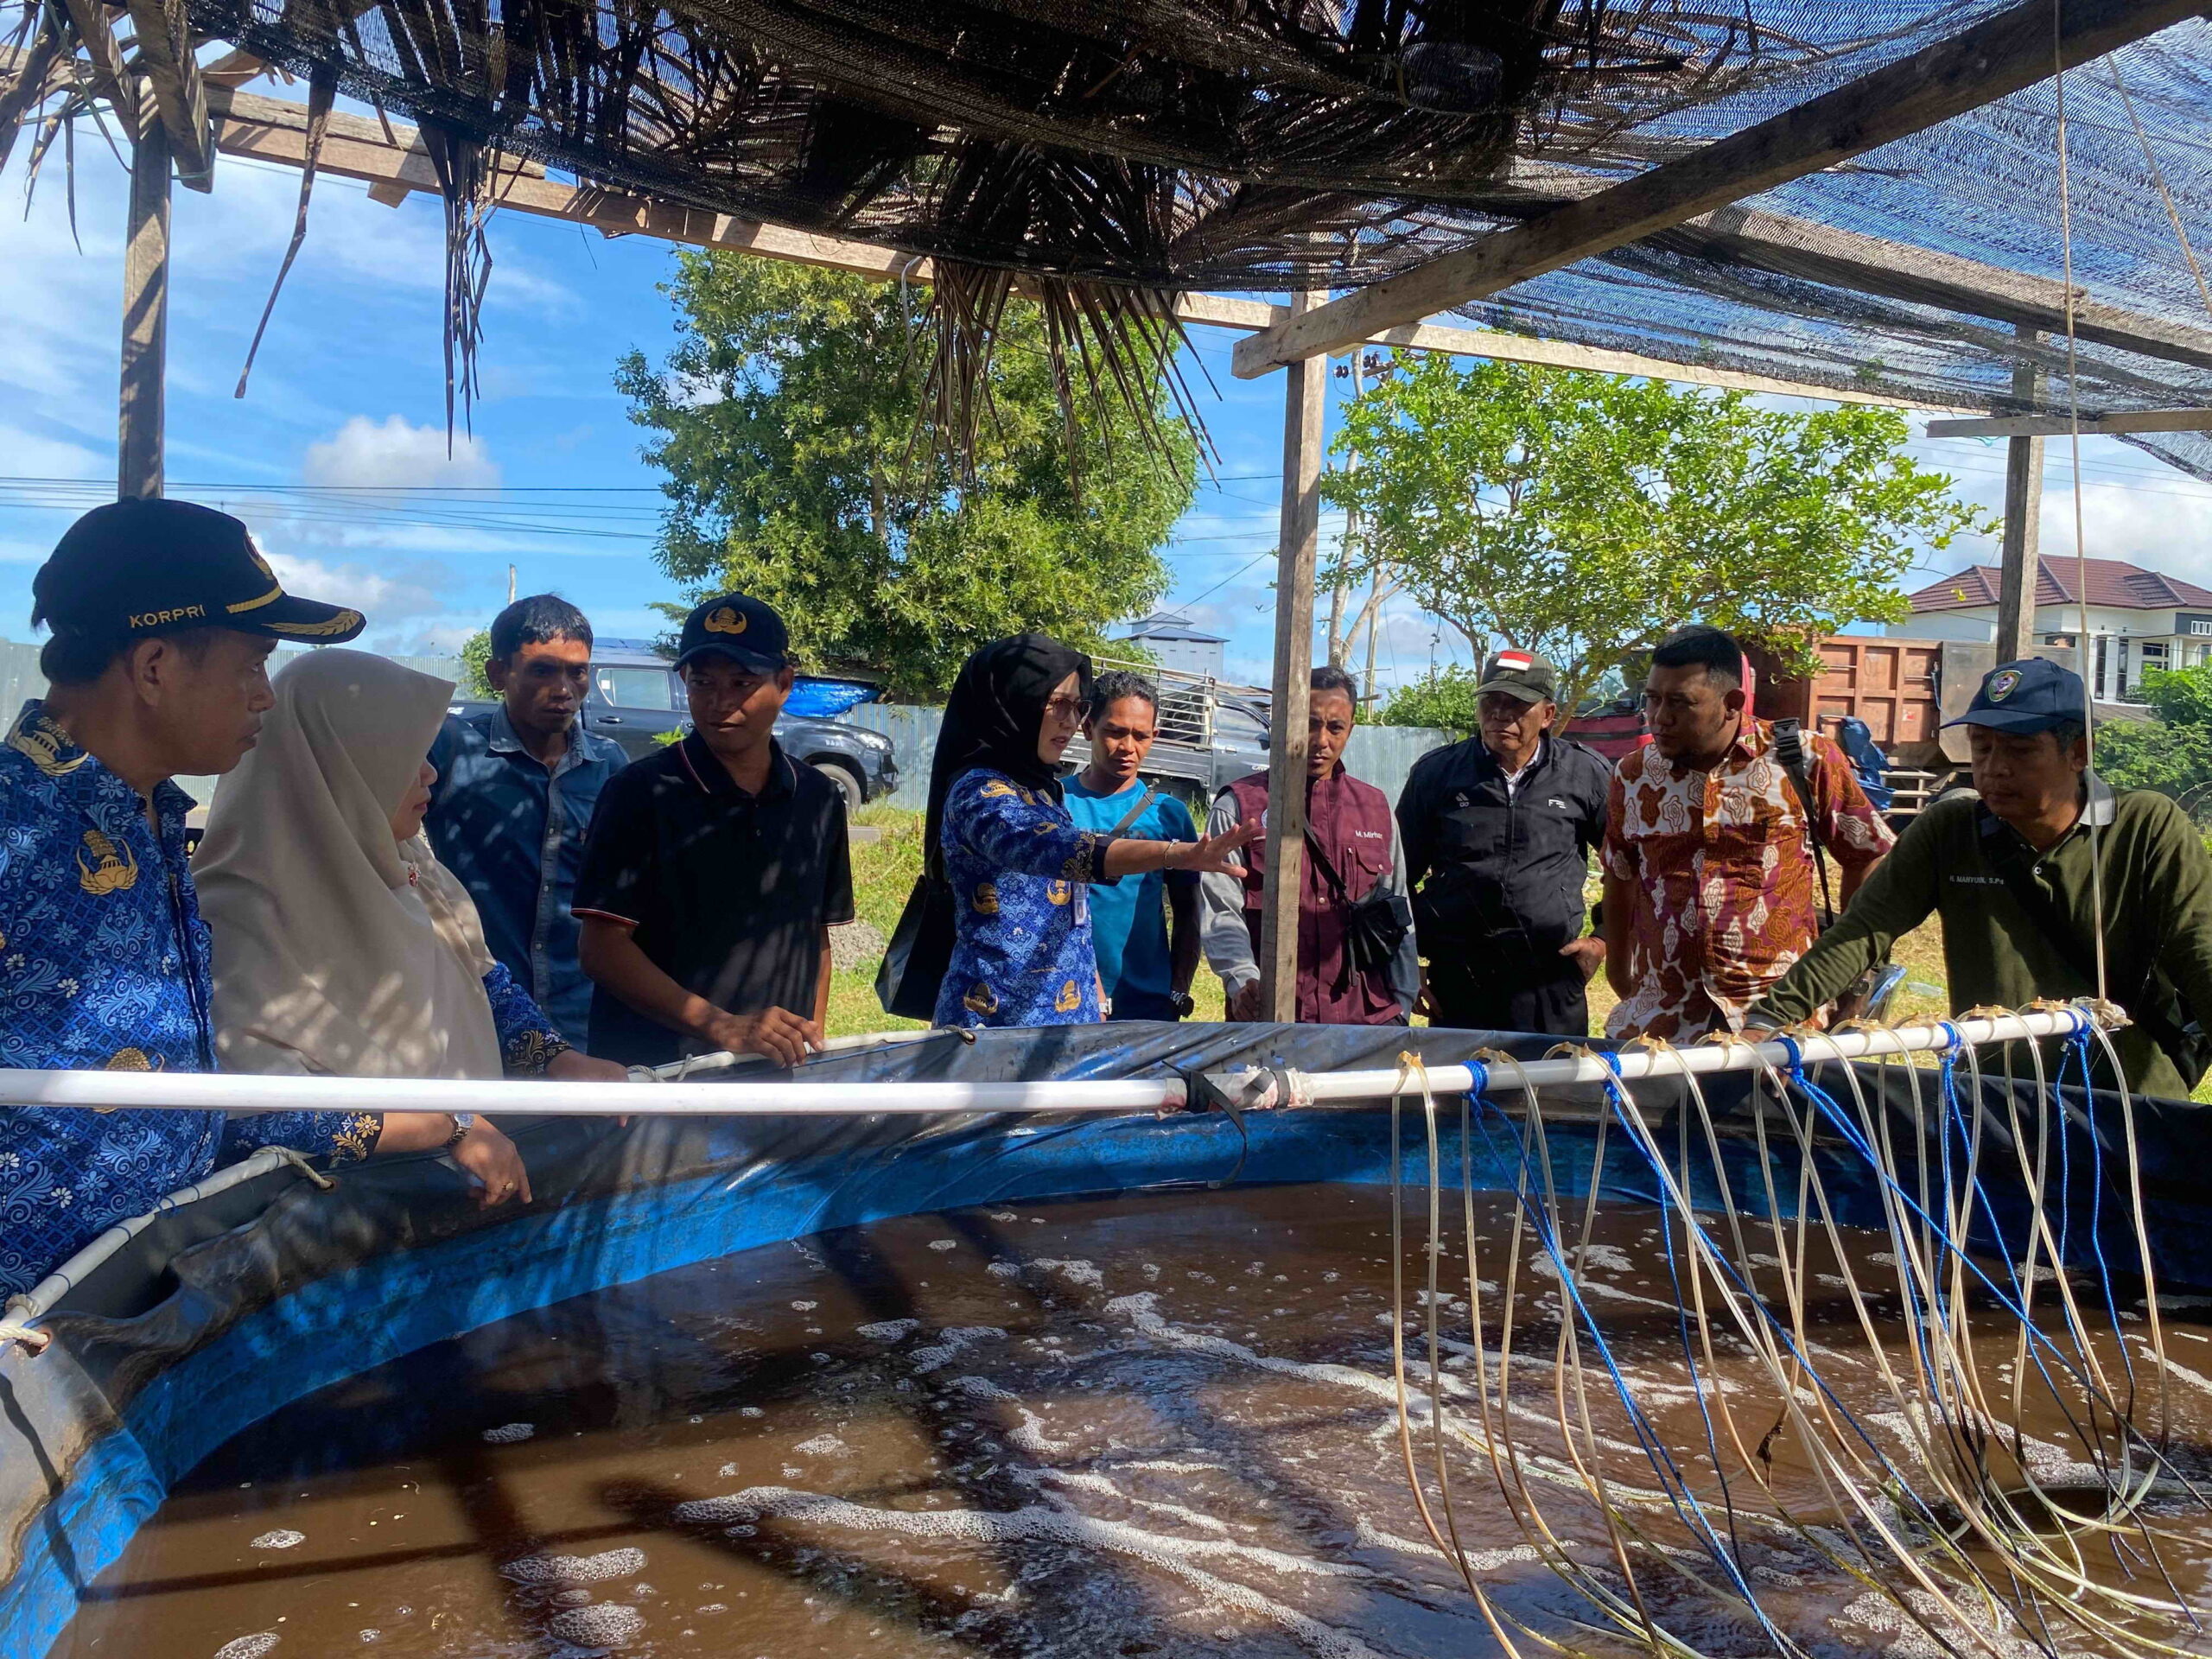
1358 835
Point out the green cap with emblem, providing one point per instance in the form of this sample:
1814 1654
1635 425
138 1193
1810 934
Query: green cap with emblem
146 565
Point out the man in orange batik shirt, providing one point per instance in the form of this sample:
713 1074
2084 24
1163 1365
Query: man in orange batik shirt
1710 886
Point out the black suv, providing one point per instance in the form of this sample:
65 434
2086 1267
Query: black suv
635 699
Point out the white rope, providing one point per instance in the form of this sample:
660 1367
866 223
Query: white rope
2081 540
40 1298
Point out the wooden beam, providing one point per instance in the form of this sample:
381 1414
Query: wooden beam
1917 276
165 50
110 78
275 130
1305 391
1834 258
2059 426
2012 50
141 406
2021 563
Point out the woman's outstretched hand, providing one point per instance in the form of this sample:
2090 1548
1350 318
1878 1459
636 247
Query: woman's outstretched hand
492 1159
1218 855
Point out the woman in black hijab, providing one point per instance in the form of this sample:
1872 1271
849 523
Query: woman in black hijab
1013 870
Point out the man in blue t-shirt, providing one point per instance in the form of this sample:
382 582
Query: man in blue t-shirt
1145 963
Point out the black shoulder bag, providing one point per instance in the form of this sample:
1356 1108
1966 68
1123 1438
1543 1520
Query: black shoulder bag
2156 1006
1375 926
915 962
920 951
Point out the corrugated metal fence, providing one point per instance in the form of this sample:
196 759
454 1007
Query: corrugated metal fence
1381 755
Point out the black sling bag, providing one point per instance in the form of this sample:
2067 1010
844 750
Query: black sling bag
1375 926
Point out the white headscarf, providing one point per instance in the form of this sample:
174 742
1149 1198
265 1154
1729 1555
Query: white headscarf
338 951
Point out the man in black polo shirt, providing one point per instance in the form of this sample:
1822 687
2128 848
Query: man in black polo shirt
1498 831
715 868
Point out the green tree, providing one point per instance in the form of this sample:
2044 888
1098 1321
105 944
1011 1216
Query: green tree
789 420
1583 516
1443 698
2171 752
475 651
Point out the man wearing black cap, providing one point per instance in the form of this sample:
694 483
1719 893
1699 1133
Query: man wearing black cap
163 615
1498 830
715 868
2010 870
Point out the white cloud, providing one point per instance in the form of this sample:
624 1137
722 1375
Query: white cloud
364 453
384 596
32 455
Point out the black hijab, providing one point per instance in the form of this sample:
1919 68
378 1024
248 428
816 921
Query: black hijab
993 719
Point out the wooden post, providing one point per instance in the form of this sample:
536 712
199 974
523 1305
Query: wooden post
2022 567
1305 391
145 315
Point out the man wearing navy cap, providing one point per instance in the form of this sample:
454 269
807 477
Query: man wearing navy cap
714 869
163 615
2009 869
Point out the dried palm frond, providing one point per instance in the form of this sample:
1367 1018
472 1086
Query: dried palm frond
1104 344
322 92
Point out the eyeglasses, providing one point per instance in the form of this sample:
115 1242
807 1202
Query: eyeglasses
1064 708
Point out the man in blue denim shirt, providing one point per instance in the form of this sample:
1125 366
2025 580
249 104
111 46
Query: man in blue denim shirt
516 784
163 616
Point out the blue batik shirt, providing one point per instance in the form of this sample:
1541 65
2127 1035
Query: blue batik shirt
104 965
1020 873
512 830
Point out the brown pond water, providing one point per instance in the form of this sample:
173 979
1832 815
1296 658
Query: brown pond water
1160 1424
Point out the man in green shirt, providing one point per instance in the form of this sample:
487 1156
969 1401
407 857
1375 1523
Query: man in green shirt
2010 874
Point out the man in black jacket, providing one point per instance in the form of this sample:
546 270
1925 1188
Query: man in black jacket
1497 832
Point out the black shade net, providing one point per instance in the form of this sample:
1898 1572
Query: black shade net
1263 145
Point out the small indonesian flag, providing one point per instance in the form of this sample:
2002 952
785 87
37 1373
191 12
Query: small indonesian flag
1517 662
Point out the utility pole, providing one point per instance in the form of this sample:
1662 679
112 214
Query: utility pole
1339 643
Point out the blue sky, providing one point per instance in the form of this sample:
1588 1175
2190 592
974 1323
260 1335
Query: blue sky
349 393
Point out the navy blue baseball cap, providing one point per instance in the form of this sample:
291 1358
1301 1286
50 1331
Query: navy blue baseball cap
2033 695
147 564
743 629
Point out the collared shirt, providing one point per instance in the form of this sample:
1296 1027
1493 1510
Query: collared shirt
1128 918
1500 859
1721 875
512 830
2155 882
1021 872
726 892
104 965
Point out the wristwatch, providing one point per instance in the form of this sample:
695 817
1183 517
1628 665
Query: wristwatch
462 1123
1182 1003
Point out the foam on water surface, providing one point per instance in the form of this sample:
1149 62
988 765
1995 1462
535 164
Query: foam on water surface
1156 1425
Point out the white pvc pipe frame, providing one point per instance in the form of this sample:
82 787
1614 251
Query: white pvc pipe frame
170 1091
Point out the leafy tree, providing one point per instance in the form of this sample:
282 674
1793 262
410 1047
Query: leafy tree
2171 752
1585 515
1443 698
801 467
475 651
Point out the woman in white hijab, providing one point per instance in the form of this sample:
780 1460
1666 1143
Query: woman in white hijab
342 948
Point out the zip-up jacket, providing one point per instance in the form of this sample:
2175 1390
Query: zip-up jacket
1492 864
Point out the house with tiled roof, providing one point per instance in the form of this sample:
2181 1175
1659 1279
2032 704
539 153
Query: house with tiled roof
2138 620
